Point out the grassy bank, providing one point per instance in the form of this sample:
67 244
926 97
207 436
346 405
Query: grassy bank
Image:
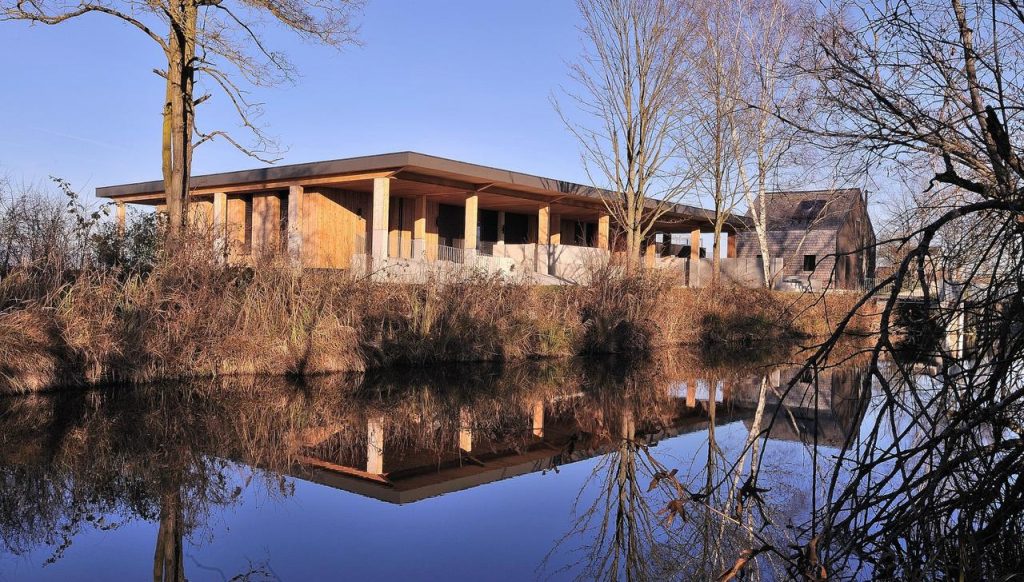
190 318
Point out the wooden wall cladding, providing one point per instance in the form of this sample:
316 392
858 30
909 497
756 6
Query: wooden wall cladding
333 223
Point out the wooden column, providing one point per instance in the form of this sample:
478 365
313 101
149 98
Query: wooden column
556 229
419 229
295 199
469 234
381 207
121 218
538 418
694 275
695 244
543 238
603 224
731 246
465 430
375 445
220 224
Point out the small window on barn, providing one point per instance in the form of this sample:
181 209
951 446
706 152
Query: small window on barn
810 261
808 209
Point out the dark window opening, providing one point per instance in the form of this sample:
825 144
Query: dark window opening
517 228
488 224
451 224
810 261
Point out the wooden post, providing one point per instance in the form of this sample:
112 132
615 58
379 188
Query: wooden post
220 225
375 445
543 238
465 430
556 229
694 274
381 207
695 244
538 418
691 393
121 219
603 224
295 198
469 234
731 246
419 229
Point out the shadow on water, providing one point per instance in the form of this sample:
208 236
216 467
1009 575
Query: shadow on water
79 463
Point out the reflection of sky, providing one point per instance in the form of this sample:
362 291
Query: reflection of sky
498 531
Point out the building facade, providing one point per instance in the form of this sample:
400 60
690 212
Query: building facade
825 238
408 208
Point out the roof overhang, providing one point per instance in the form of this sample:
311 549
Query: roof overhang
407 167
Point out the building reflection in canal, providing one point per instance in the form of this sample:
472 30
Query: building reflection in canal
70 463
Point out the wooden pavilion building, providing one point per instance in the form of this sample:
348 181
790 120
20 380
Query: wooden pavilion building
409 207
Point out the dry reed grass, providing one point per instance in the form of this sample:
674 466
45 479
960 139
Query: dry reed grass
190 317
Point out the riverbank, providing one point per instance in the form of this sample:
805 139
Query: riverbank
192 319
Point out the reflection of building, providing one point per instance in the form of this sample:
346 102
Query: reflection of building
835 408
545 434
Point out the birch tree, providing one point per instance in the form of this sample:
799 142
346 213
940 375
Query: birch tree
629 80
713 143
215 43
773 36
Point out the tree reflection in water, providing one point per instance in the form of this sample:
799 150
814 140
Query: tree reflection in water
173 454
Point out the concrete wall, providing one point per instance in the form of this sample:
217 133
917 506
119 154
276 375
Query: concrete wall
575 264
742 271
524 257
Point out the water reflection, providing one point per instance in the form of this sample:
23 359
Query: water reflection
72 465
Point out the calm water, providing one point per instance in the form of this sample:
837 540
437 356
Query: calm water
538 471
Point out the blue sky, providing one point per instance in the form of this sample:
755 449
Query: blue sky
464 79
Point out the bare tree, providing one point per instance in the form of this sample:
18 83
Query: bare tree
932 489
629 94
773 37
713 144
206 40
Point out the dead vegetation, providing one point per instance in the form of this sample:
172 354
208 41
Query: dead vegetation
163 316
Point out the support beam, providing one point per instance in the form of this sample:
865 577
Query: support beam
121 218
556 229
375 445
379 238
469 234
603 226
465 430
220 225
538 419
694 275
295 200
543 238
419 229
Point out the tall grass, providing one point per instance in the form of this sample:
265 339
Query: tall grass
185 315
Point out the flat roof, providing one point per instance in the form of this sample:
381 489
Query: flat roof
407 166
